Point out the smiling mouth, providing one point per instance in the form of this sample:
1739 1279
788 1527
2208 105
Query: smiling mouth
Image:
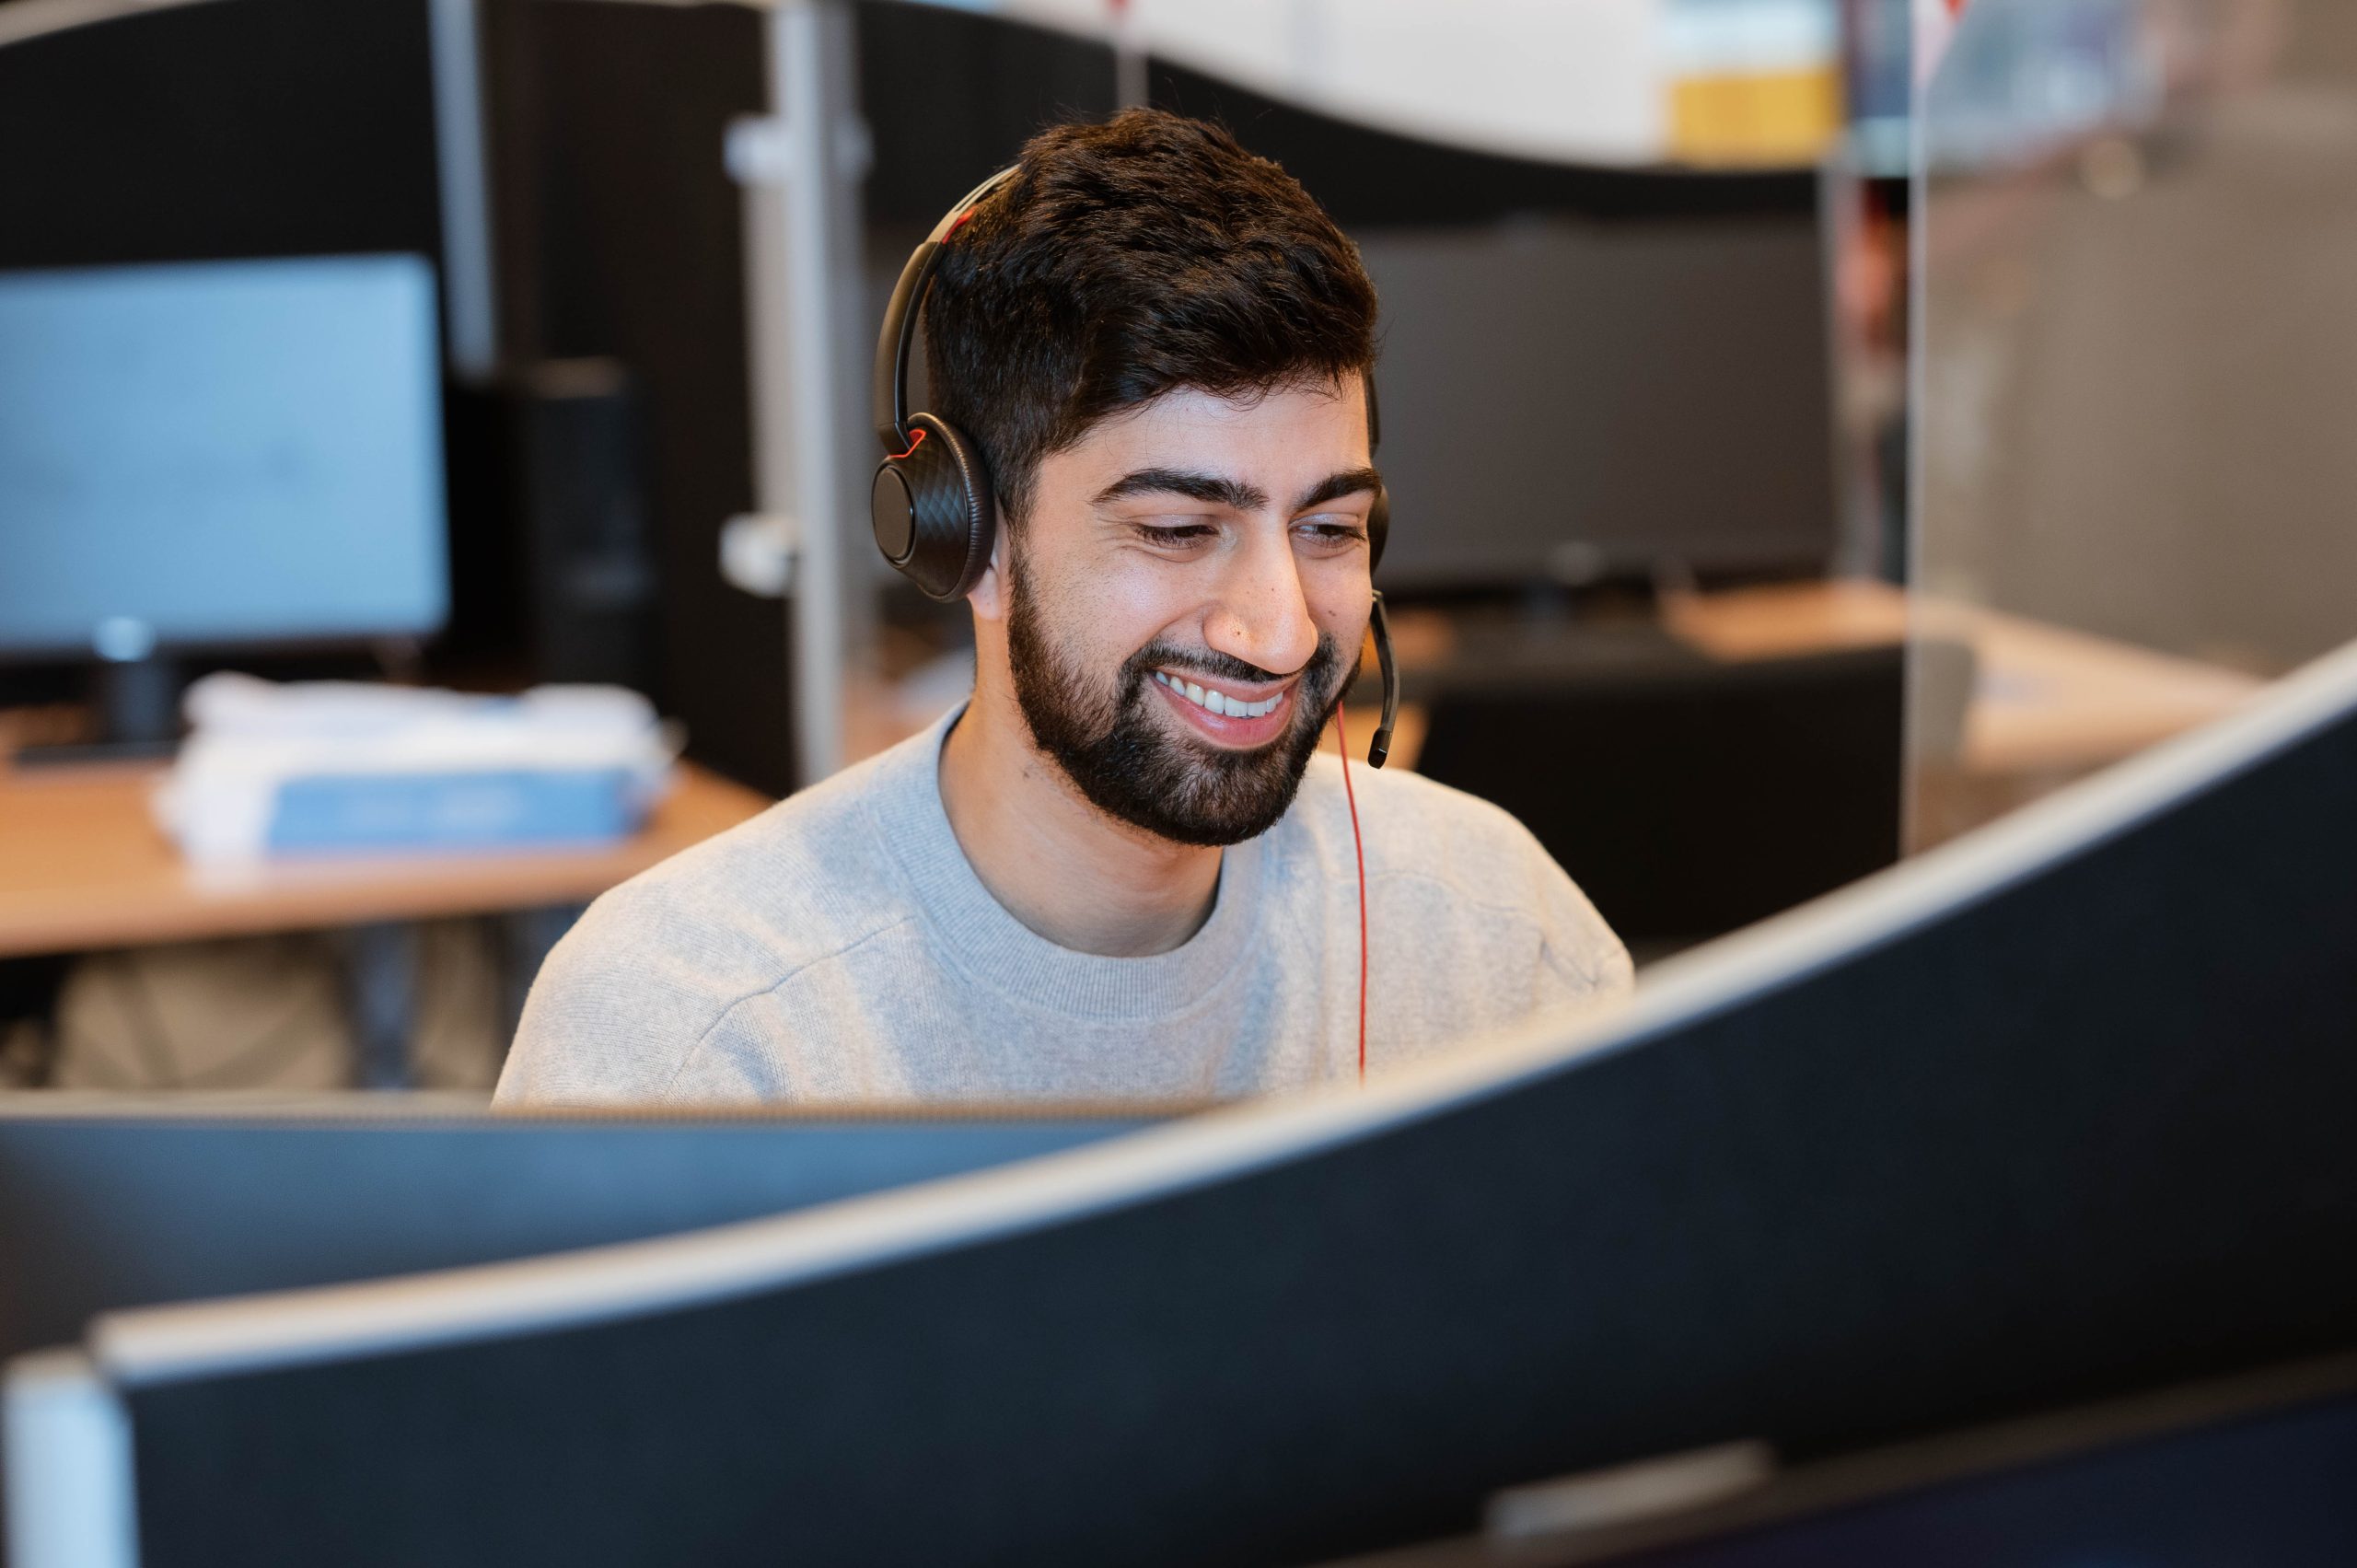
1213 700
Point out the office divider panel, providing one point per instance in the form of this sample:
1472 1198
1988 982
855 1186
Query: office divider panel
2058 1111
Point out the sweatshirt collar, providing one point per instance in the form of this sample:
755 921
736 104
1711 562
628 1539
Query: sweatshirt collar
974 933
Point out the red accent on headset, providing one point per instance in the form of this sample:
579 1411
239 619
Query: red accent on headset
1358 847
960 221
914 441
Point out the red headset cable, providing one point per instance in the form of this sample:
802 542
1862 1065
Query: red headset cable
1358 848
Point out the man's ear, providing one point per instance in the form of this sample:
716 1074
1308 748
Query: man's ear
989 593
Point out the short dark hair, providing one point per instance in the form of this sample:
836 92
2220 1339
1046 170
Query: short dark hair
1127 259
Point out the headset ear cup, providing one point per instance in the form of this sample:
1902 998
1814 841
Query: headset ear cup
932 511
1378 528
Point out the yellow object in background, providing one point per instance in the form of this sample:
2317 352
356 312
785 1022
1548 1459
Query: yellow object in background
1751 81
1777 116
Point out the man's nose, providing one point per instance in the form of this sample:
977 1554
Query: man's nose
1263 616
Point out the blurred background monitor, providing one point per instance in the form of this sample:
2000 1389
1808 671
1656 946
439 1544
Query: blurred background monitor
1587 372
220 454
1566 400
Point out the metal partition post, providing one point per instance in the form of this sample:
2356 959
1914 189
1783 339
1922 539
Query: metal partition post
801 168
467 308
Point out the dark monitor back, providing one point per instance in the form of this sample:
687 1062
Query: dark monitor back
101 1211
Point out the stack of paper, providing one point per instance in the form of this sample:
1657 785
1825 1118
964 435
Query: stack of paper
329 767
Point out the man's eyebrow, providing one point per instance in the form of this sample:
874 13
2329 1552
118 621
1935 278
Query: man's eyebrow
1333 487
1211 488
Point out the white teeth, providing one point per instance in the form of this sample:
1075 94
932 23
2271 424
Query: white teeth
1213 700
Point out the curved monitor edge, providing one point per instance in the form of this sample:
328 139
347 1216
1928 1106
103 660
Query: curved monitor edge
167 1343
29 19
257 1107
456 1108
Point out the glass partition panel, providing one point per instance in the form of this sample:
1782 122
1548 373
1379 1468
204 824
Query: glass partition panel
2138 384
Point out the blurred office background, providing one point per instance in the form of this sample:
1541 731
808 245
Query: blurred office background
1647 271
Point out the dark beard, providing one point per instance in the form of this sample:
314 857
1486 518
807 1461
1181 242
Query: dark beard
1111 746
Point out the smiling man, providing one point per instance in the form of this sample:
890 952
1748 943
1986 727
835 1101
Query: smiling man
1123 870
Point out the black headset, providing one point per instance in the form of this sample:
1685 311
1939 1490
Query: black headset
931 505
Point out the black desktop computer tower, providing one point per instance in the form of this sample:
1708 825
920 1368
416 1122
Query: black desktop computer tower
578 475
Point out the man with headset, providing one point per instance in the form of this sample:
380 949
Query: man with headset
1116 873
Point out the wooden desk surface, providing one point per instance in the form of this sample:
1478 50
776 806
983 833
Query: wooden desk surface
2046 701
83 865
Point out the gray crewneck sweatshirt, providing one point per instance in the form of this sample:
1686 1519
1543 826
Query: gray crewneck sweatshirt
839 948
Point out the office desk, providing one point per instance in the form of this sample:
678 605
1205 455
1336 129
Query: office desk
2048 704
83 865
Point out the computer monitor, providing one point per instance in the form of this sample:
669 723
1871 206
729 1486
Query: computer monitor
219 454
115 1200
1570 400
1589 372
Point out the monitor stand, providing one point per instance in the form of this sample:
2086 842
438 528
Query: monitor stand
136 707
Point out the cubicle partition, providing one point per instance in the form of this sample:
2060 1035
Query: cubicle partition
2055 1112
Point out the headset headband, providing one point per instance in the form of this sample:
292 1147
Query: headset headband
900 333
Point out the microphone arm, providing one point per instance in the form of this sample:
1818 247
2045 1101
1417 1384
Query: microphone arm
1380 748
